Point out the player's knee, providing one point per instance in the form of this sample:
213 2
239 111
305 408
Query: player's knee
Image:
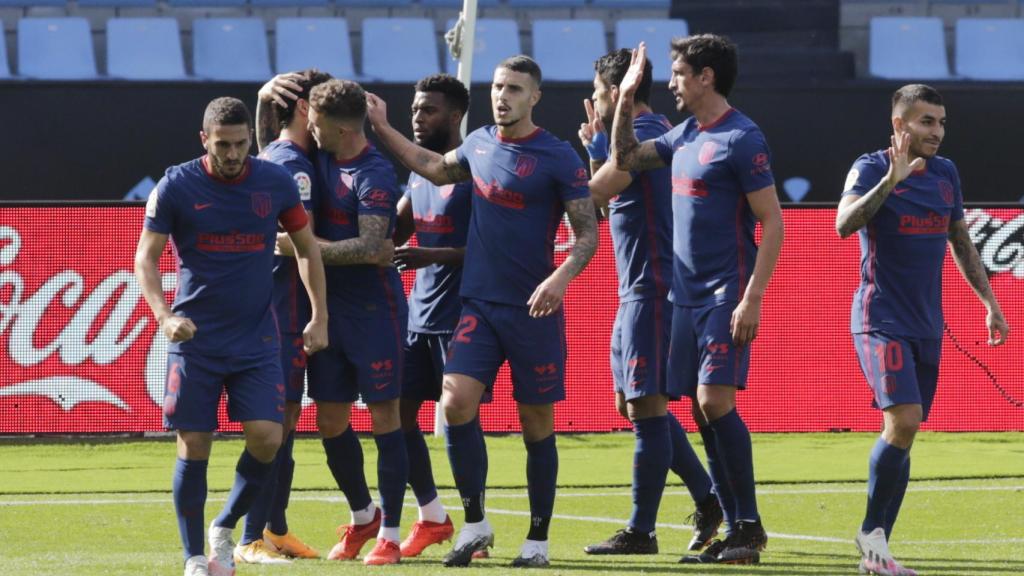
263 441
536 421
410 411
647 407
384 416
458 401
292 411
331 421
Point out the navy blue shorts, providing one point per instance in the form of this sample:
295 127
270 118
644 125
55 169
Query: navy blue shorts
194 384
425 355
364 358
900 370
293 366
702 352
489 333
639 350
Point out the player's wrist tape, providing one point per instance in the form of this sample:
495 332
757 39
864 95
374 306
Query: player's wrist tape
598 147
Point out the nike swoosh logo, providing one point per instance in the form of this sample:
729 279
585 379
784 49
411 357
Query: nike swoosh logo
199 206
899 191
545 390
380 386
713 368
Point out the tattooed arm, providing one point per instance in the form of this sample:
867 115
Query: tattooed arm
438 169
627 152
371 247
547 297
969 263
855 212
271 95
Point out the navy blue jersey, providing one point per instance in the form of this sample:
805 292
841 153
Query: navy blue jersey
640 222
441 214
520 187
714 167
291 302
362 186
903 246
224 233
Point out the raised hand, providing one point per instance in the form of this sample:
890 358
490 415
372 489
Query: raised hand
635 73
376 110
592 134
280 89
899 167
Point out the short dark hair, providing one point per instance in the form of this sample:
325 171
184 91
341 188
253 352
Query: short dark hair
454 91
612 67
226 111
709 51
523 63
308 79
911 93
339 99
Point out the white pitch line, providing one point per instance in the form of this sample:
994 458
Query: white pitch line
502 512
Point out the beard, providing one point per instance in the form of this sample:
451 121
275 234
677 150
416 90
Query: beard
226 170
436 141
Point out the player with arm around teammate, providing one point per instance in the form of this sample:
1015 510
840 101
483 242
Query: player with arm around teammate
222 211
906 205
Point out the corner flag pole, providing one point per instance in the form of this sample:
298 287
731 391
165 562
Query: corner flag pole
461 41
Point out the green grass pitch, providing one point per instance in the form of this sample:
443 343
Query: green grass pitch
103 507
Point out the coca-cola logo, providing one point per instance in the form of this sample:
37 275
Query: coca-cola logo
1000 243
113 302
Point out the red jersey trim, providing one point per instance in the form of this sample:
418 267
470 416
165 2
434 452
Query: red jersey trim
720 119
294 218
526 138
354 159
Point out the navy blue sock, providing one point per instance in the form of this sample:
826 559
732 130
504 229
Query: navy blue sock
541 480
685 462
345 459
189 487
884 468
738 456
250 475
421 473
277 521
719 479
392 475
468 457
652 456
256 518
893 511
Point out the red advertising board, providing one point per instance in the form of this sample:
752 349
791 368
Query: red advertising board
79 352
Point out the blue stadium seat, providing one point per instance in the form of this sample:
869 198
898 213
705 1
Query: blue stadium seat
545 3
232 49
23 3
658 33
633 3
566 49
908 48
990 48
5 69
496 39
399 49
55 48
295 3
144 49
455 3
117 3
374 3
314 43
205 3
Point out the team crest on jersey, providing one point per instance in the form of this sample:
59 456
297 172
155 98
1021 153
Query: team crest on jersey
851 179
946 190
707 153
344 185
262 204
525 165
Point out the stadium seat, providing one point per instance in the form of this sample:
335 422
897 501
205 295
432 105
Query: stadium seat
566 49
496 39
25 3
908 48
658 33
144 49
633 3
990 48
545 3
5 70
314 43
455 3
205 3
399 49
288 3
232 49
55 48
116 3
374 3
